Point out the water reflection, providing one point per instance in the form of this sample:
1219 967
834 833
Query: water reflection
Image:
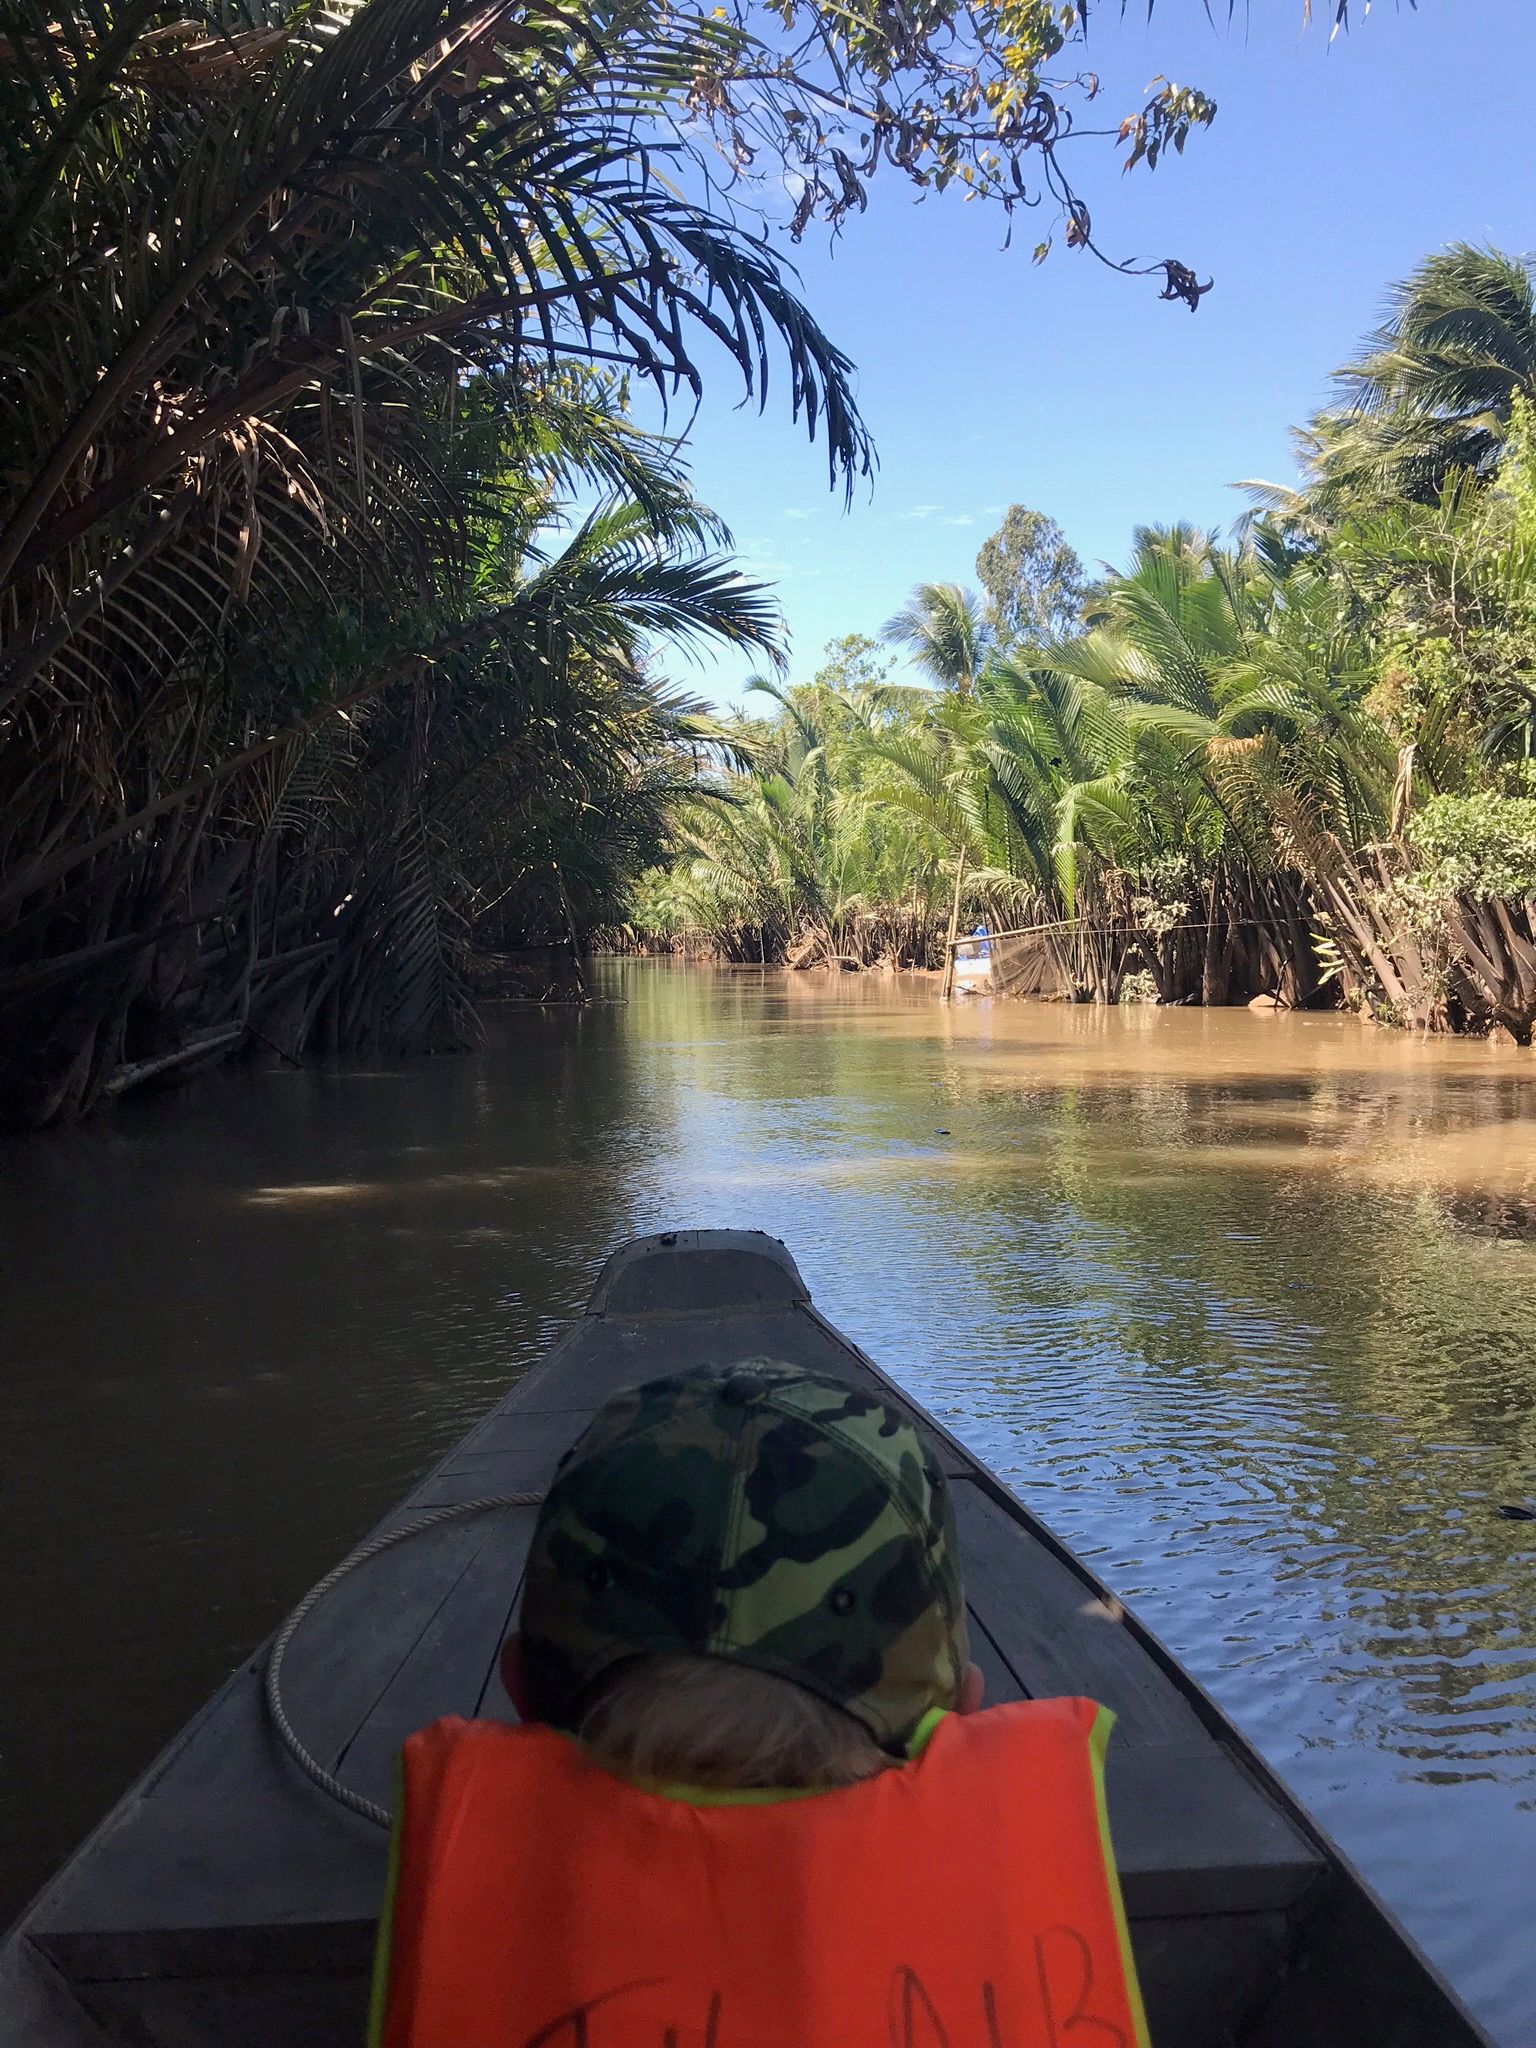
1236 1300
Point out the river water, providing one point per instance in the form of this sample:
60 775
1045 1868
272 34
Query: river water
1244 1305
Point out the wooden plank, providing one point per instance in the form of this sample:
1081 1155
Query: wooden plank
1193 1835
502 1471
1001 1682
450 1669
350 1646
312 1948
232 1839
1359 1982
1197 1974
268 2011
1056 1635
698 1272
511 1427
37 2007
604 1354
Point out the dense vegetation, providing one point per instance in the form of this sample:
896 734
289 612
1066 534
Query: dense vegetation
1301 764
332 565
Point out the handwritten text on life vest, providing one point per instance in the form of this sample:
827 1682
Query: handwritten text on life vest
1064 2018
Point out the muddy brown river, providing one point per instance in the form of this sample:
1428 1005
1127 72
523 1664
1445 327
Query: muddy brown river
1244 1305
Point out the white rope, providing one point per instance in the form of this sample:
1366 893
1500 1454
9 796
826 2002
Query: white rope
277 1713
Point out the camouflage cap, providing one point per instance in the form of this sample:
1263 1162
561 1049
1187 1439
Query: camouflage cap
759 1513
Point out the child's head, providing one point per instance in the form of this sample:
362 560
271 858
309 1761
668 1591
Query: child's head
745 1577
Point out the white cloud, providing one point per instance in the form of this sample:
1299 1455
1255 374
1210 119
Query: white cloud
920 512
794 512
763 563
958 519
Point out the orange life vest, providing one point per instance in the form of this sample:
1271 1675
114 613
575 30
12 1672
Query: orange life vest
965 1900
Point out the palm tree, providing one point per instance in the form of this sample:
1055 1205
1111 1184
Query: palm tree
1433 392
1254 765
799 854
417 768
943 626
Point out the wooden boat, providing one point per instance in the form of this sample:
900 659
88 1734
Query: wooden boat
228 1902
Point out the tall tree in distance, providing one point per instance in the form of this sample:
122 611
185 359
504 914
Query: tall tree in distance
1033 578
851 662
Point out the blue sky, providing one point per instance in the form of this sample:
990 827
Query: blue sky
1331 169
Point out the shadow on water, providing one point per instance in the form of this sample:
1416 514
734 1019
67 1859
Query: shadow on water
1244 1305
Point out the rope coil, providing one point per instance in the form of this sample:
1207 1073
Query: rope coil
277 1714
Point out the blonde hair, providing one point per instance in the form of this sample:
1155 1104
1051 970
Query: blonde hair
722 1726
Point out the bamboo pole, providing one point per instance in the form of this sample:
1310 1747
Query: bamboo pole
947 986
572 937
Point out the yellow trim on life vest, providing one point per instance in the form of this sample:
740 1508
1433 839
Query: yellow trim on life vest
924 1732
1098 1742
378 1996
726 1795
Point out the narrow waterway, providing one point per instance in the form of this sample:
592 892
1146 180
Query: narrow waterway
1245 1305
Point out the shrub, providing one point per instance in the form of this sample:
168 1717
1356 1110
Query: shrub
1476 845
